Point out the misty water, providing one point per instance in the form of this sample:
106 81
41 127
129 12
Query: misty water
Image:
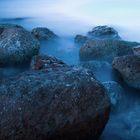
68 18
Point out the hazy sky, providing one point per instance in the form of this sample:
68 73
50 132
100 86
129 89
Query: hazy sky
115 12
75 8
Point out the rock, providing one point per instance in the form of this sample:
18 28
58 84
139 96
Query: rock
115 92
17 45
105 50
45 62
129 68
64 104
98 33
102 69
6 26
42 33
136 50
95 65
80 39
103 32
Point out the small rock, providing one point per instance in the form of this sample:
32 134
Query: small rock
136 50
44 62
43 33
103 32
80 39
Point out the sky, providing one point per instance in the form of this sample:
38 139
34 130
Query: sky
119 13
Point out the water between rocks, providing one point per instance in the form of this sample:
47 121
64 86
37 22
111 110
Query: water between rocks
123 124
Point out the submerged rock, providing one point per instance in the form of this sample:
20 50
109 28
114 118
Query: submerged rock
115 92
103 32
64 104
43 33
105 49
17 45
129 68
95 65
102 69
45 62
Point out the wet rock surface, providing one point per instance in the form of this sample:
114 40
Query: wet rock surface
61 103
129 68
17 45
43 33
105 49
45 62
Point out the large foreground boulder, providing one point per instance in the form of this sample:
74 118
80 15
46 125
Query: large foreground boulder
43 33
105 49
129 68
62 103
16 45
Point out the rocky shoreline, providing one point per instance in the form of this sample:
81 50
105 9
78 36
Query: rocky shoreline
53 100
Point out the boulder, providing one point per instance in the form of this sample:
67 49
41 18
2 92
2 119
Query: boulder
62 103
45 62
103 32
17 45
115 92
80 39
98 33
129 68
106 49
43 33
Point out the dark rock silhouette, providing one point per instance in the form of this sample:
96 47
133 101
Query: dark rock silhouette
17 45
105 49
53 103
43 33
129 68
